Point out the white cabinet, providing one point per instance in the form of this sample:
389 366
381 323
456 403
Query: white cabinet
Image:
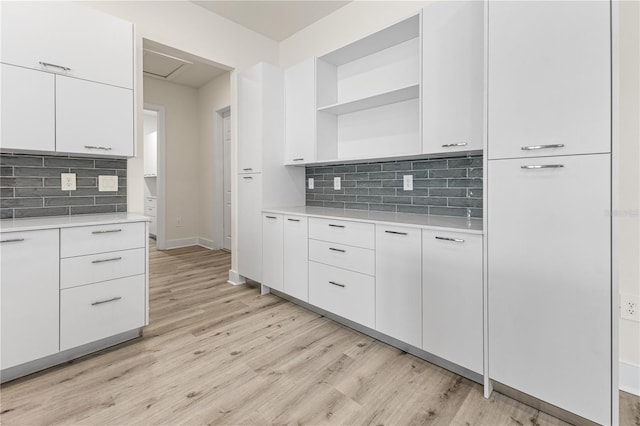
452 76
300 113
272 251
29 295
296 257
28 109
358 234
250 226
67 38
549 79
151 211
452 297
355 259
93 118
398 283
549 268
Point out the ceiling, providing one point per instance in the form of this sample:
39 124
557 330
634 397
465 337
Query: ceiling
169 64
275 19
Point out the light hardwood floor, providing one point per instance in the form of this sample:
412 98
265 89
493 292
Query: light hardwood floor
219 354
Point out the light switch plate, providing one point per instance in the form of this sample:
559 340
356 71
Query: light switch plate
407 181
336 183
68 181
311 183
107 183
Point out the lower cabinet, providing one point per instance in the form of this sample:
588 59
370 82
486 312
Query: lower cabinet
249 219
452 300
29 295
296 257
272 251
398 283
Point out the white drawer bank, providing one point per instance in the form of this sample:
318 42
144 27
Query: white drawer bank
413 281
70 286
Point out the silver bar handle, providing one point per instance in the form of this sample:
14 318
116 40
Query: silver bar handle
534 147
543 166
298 159
293 220
104 148
336 226
47 64
100 302
113 259
12 240
396 232
449 145
271 217
247 177
338 250
337 284
455 240
247 169
107 231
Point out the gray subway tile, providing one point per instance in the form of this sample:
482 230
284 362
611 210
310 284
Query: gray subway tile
349 183
38 212
476 213
448 211
332 191
110 164
19 160
392 184
68 201
331 176
38 171
448 192
396 200
68 162
465 202
417 174
370 199
20 202
350 168
465 162
356 176
6 171
358 191
15 182
448 173
413 209
371 183
323 183
475 172
105 208
93 172
111 199
40 192
405 165
315 203
475 192
382 175
6 213
324 197
383 207
6 192
429 201
465 183
121 208
430 164
356 206
334 204
415 192
310 196
345 198
382 191
429 183
369 167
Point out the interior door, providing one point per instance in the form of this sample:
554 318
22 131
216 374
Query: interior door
226 126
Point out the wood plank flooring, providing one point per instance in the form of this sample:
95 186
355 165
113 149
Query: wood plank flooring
221 354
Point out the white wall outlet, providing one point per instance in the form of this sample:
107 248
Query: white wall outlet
336 183
107 183
68 181
630 307
310 183
407 182
178 221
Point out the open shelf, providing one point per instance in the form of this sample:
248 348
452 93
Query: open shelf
386 98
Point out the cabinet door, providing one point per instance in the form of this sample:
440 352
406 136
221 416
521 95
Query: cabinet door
549 78
28 106
398 283
28 295
91 44
93 118
272 251
549 260
300 113
250 226
452 76
452 297
296 257
250 120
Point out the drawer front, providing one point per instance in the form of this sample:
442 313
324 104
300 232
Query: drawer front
356 234
81 270
101 238
348 294
150 211
342 256
93 312
150 202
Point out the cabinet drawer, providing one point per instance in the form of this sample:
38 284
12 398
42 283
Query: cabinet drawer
101 238
149 211
342 232
93 312
347 257
80 270
150 202
348 294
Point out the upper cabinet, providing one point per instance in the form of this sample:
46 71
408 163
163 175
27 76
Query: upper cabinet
452 76
300 113
550 78
71 40
368 96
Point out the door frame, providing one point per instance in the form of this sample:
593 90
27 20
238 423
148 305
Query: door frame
218 165
161 177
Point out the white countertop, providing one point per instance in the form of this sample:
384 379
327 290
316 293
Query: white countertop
33 223
456 224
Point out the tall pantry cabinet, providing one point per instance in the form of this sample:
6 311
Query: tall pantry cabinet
549 201
263 179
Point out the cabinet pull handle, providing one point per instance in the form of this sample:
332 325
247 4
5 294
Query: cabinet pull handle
13 240
338 250
396 232
337 284
104 148
247 177
47 64
293 220
336 226
108 231
100 302
455 240
247 169
543 166
106 260
298 159
449 145
271 217
534 147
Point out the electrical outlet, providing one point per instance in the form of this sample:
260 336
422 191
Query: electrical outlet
336 183
178 221
407 182
68 181
311 183
630 307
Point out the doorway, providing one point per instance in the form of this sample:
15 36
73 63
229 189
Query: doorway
154 177
226 147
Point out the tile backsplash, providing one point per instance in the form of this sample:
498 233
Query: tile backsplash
441 186
30 185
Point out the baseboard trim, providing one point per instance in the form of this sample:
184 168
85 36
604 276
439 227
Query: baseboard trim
206 243
629 378
235 278
181 242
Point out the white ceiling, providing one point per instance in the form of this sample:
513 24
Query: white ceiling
275 19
